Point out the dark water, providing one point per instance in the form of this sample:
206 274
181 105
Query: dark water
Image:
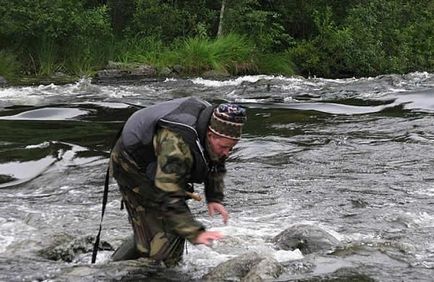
353 157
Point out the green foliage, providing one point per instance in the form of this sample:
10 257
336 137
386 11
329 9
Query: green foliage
169 20
50 30
262 27
92 46
330 38
375 37
230 53
9 65
148 50
275 64
46 56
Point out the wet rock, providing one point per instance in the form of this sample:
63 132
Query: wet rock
165 72
178 69
344 274
67 248
358 203
215 74
265 270
307 238
246 267
3 81
119 71
115 65
4 178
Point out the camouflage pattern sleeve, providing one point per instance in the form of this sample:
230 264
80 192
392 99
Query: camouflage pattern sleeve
214 184
174 163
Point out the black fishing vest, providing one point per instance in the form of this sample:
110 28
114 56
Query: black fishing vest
187 116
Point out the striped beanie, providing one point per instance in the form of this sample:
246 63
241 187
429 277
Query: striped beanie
227 120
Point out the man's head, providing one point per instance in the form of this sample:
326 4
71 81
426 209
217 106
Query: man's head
225 127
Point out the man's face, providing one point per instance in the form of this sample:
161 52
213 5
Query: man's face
220 146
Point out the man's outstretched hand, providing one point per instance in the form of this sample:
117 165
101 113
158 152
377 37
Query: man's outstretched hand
218 208
207 237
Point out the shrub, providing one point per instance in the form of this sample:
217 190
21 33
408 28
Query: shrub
9 65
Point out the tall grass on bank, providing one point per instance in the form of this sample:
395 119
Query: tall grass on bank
145 50
9 65
46 56
232 54
275 64
85 57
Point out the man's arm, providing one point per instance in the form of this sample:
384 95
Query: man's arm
214 191
174 163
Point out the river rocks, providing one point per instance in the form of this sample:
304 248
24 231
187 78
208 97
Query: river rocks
307 238
66 248
4 178
215 74
165 72
246 267
341 275
119 71
3 81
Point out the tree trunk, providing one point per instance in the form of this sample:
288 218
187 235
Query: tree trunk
222 11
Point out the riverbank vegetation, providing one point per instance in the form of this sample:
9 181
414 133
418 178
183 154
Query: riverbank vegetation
327 38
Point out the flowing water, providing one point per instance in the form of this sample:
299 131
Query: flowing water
352 156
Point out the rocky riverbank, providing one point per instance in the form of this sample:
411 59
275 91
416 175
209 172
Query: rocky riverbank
116 72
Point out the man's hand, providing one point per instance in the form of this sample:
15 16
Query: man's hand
207 237
218 208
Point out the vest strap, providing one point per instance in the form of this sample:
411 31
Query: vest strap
104 199
104 203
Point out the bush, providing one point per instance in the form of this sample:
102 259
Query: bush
50 30
9 65
275 64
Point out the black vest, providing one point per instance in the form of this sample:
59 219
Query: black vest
187 116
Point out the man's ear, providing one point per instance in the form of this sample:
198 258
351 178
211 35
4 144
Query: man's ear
209 133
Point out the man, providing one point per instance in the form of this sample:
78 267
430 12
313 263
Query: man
162 150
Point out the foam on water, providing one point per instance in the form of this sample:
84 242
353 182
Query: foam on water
13 231
242 79
47 114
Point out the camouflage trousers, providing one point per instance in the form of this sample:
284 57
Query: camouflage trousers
152 238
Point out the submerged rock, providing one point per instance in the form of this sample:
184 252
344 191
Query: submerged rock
67 248
215 74
345 274
4 178
307 238
246 267
3 81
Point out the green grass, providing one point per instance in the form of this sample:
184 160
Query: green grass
46 56
9 66
275 64
231 53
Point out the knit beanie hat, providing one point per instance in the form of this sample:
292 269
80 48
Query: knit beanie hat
227 120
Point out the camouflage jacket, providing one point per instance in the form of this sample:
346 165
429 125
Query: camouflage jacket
174 163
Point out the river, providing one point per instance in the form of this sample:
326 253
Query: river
352 156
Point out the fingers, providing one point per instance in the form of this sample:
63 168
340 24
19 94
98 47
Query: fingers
208 237
219 208
210 210
225 215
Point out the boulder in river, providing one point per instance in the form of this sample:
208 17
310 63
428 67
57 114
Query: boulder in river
3 81
307 238
66 248
119 71
344 274
246 267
